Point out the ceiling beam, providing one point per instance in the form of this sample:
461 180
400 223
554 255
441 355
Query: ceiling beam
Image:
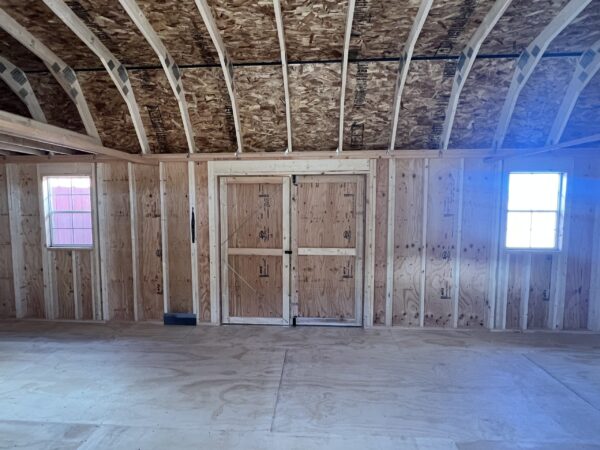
22 150
465 64
569 145
284 70
528 61
404 65
226 66
17 81
347 36
587 67
167 62
33 145
29 129
113 66
64 75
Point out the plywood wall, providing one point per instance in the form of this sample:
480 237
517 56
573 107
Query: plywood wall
7 292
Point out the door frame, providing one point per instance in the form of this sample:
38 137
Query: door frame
286 167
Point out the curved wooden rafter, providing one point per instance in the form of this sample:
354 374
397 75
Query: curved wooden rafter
347 36
284 70
115 69
17 81
64 75
167 62
226 66
587 66
404 62
465 64
528 61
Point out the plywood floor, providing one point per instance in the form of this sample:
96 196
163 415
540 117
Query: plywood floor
147 386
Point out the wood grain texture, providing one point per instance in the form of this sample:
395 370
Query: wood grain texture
520 24
477 224
255 286
369 102
149 251
442 227
536 108
180 27
584 118
109 111
117 262
62 267
7 293
86 285
314 30
516 278
202 238
480 103
315 98
210 110
262 108
408 246
248 29
381 218
178 237
581 33
380 28
539 291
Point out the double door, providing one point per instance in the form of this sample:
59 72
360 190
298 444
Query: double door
292 249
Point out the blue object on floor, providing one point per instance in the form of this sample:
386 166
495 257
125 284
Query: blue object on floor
179 319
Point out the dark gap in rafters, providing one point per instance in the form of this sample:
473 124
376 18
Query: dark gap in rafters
324 61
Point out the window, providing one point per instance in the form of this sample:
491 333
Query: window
535 203
68 211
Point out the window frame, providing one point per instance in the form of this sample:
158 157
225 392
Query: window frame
560 212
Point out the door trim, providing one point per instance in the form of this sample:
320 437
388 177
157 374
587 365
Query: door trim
284 167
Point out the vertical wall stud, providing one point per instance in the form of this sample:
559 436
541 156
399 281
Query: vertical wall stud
134 239
164 236
389 284
495 247
424 243
14 207
193 220
456 277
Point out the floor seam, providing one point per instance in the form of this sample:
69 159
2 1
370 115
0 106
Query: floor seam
278 390
563 384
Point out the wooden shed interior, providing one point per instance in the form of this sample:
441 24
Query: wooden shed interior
301 162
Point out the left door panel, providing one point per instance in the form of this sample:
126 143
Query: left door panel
255 234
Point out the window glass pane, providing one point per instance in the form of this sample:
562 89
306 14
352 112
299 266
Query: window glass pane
81 203
60 186
62 220
81 185
543 230
518 230
533 191
61 203
82 220
62 237
82 237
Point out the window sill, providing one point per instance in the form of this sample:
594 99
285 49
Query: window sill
70 248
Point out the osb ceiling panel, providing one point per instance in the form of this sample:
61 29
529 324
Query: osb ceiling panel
315 98
248 29
180 26
210 110
424 101
18 54
109 111
159 110
520 24
55 103
581 33
380 27
314 29
449 26
584 118
112 26
538 103
262 108
48 28
481 102
369 104
10 102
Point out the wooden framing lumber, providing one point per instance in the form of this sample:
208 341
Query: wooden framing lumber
391 208
284 70
226 66
347 36
594 308
134 239
528 61
64 75
115 69
31 130
465 64
422 278
169 65
587 66
164 221
23 150
17 81
38 149
404 65
456 274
